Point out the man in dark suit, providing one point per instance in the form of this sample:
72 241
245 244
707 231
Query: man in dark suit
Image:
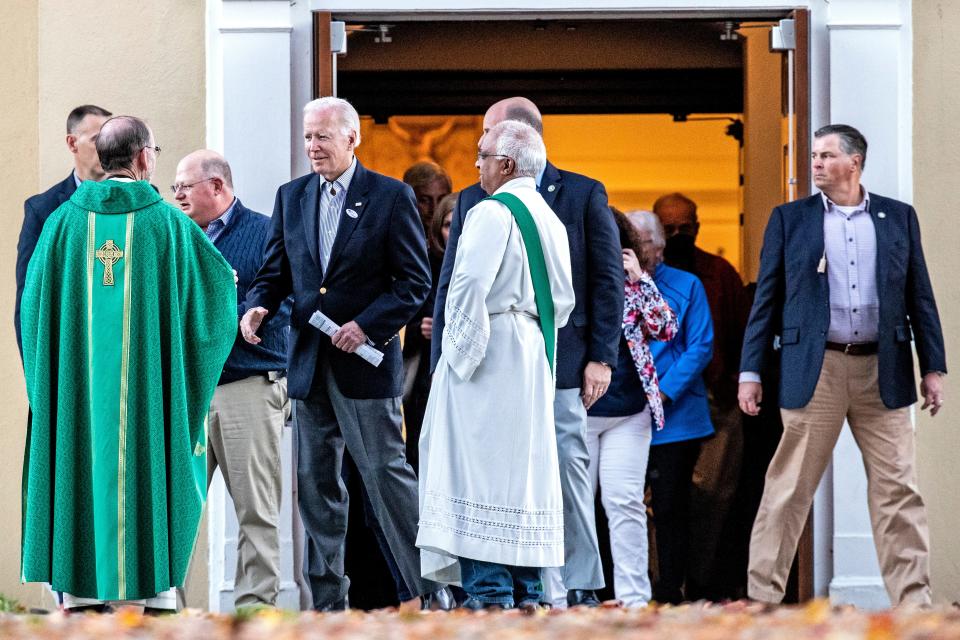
586 346
83 125
843 289
348 242
250 406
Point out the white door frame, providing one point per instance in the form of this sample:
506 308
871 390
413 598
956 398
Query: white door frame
860 73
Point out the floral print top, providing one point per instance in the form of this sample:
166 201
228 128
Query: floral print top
647 316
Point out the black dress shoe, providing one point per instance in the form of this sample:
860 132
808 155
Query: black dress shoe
474 604
439 600
529 607
582 598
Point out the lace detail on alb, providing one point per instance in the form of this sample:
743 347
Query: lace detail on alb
468 337
511 526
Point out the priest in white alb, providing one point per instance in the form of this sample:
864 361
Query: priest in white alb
491 512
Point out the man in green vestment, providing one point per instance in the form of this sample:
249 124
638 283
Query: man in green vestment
128 315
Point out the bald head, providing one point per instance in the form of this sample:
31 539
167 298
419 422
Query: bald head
678 213
210 163
516 108
204 186
125 146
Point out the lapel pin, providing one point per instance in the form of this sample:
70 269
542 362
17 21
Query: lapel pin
359 204
352 213
881 215
552 188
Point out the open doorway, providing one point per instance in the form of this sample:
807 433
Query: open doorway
646 106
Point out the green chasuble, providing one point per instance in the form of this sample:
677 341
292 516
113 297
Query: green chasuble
129 313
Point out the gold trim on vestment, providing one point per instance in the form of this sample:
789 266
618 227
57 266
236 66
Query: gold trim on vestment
91 243
124 385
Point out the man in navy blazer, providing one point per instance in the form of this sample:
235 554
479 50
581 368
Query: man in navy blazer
83 125
842 291
348 242
586 347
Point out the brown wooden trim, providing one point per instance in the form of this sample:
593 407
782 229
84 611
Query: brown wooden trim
801 87
802 101
323 63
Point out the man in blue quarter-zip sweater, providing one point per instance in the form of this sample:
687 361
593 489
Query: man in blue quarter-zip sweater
250 405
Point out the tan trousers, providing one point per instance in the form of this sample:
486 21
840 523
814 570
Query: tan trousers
847 388
244 430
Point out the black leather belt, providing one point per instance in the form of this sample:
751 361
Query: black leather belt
854 348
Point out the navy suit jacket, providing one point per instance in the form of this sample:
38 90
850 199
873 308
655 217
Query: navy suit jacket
378 276
793 301
242 243
593 332
36 210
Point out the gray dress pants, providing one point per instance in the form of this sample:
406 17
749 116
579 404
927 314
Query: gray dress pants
327 421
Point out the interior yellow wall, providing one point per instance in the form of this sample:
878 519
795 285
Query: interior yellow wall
763 149
641 157
637 157
146 59
936 165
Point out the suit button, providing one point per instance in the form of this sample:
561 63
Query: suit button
323 290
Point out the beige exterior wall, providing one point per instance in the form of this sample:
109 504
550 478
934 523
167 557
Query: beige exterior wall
936 165
144 59
18 140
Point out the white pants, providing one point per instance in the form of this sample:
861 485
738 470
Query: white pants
619 449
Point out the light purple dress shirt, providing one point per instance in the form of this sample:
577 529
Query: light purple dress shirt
850 253
850 243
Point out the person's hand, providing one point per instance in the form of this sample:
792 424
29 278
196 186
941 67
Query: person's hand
631 265
931 388
426 328
250 322
596 380
349 337
750 394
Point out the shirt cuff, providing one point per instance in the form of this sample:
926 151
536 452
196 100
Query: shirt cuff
749 376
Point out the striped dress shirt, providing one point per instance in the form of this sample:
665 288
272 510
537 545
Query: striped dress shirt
332 196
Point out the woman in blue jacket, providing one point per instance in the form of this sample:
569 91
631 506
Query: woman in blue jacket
674 449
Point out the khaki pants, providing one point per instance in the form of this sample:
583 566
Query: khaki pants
847 388
244 430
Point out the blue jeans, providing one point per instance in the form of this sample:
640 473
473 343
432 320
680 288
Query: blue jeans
493 583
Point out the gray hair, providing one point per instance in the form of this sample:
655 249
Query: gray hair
520 142
346 114
852 141
121 139
217 167
648 221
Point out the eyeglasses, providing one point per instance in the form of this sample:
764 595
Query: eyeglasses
177 188
156 149
481 156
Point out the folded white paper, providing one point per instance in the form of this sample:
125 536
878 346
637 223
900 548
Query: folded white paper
329 327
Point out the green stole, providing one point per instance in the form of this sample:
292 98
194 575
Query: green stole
538 269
